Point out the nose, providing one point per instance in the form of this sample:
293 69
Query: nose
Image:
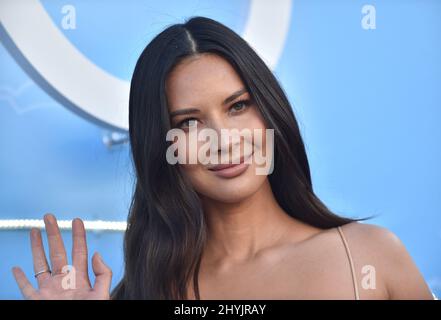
228 141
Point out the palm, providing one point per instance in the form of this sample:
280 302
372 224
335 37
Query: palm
65 282
53 288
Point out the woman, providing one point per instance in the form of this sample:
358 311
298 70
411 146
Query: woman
197 231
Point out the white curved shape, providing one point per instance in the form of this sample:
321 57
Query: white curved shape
267 28
88 87
76 82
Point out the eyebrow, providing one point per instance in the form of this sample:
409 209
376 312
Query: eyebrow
238 93
180 112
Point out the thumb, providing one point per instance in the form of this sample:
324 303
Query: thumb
103 274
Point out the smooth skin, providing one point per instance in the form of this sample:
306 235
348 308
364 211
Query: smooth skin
254 250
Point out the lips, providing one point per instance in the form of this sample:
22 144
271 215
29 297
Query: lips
220 167
224 166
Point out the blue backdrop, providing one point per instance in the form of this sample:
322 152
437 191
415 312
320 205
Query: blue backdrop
368 103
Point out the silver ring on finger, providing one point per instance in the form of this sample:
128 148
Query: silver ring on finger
42 271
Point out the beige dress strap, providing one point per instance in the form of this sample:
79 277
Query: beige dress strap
351 262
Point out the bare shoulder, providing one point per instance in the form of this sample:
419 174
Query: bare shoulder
374 238
378 249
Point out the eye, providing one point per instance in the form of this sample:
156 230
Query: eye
187 123
239 106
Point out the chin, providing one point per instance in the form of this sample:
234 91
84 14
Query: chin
231 190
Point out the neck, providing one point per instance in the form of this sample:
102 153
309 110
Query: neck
239 231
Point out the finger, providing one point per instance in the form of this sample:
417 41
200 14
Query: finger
103 274
56 246
39 257
25 286
79 248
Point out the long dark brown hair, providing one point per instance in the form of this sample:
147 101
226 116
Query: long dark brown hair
166 227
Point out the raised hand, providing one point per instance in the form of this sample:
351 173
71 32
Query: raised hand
52 281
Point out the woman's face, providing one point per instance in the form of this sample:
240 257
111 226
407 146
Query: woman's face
205 92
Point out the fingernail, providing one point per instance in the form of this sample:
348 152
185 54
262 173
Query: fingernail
48 218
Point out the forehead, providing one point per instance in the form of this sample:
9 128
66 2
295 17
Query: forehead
201 80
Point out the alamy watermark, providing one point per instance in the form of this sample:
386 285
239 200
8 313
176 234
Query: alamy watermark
368 21
69 20
206 147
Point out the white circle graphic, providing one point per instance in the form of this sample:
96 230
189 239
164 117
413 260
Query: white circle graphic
76 82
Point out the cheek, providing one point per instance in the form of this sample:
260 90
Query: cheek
258 128
192 168
187 150
199 178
